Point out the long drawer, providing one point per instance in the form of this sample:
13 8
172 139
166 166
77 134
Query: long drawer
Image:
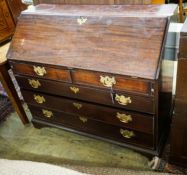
90 126
134 120
89 78
102 96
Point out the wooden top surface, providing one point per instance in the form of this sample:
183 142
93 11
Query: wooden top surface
114 44
104 10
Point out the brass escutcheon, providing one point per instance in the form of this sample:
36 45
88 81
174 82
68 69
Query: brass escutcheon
83 119
34 83
124 118
47 113
74 89
127 134
122 100
39 99
77 105
81 20
107 81
39 70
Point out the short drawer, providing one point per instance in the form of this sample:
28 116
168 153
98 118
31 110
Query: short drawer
41 71
115 116
102 96
89 126
117 82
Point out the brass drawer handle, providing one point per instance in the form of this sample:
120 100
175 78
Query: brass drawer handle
124 118
122 100
34 83
39 99
74 89
77 105
107 81
83 119
47 113
40 70
81 20
127 134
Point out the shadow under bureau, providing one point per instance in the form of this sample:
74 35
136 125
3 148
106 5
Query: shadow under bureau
95 70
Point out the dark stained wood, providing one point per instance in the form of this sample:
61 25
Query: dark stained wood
64 89
183 42
12 94
182 48
51 73
94 45
7 25
16 7
9 12
98 128
89 78
139 103
107 115
105 97
104 42
38 123
122 83
178 153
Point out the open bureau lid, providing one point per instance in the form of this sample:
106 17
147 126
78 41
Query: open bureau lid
120 39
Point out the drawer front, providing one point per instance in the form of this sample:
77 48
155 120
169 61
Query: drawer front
66 89
106 97
117 82
41 71
133 120
80 123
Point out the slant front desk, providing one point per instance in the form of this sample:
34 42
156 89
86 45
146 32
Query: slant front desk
95 70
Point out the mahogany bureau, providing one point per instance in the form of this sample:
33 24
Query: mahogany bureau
95 70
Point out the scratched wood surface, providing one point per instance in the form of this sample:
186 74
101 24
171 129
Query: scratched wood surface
124 40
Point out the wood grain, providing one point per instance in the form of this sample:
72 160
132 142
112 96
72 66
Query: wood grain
89 78
139 103
51 73
7 25
108 116
105 37
178 154
98 128
124 42
131 84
